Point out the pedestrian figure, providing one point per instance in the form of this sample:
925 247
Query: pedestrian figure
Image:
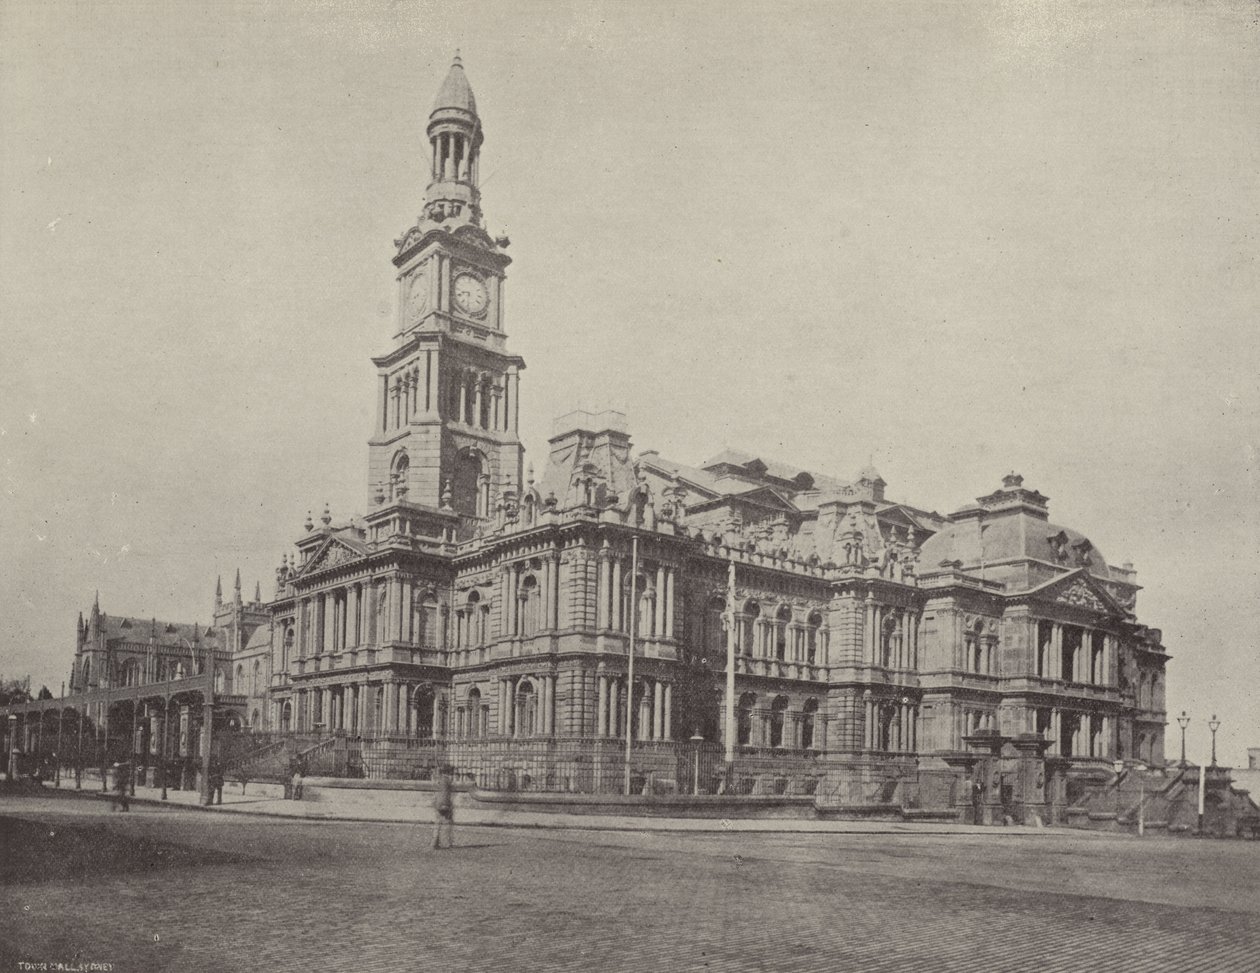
121 801
444 810
216 783
296 782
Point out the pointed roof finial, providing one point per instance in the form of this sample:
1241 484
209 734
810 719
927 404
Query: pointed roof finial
218 587
257 592
237 586
96 602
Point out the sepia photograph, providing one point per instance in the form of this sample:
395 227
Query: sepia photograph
766 485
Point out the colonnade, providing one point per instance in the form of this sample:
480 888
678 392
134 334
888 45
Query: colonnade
891 724
370 708
1091 662
654 591
1091 734
655 718
530 597
455 157
890 636
527 706
782 639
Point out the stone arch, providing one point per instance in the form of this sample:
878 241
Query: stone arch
778 721
399 468
809 716
469 489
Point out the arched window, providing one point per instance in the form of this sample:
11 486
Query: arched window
526 709
253 719
530 602
238 684
640 588
472 620
474 727
466 487
713 639
399 469
87 672
778 720
257 687
218 680
131 673
288 649
808 714
813 632
752 612
888 642
975 648
744 719
1045 632
424 704
179 670
781 620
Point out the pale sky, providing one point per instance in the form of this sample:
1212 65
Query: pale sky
957 238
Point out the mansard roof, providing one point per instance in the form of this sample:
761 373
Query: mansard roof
1015 535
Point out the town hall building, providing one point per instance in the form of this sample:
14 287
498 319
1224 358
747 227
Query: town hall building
490 604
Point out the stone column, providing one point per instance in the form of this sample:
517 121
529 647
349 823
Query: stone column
477 394
391 708
602 588
544 621
601 724
354 610
669 604
318 629
658 710
658 627
869 639
513 720
616 594
553 617
669 713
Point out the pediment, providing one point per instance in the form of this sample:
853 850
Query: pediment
1080 590
332 554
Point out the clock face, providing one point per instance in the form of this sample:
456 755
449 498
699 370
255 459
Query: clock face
417 296
470 294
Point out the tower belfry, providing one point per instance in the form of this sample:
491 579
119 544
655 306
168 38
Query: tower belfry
446 439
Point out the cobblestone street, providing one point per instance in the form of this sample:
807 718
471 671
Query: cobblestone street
168 889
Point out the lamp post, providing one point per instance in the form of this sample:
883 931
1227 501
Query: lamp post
1183 721
1118 767
695 779
1214 724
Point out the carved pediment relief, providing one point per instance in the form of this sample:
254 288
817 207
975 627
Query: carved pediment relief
331 556
1080 595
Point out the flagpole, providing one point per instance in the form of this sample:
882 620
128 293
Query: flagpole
730 664
634 619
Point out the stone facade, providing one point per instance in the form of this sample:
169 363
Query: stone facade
474 600
888 653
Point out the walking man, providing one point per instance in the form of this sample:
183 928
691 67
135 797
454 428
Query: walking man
443 810
121 772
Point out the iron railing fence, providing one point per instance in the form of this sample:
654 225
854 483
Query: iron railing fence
577 766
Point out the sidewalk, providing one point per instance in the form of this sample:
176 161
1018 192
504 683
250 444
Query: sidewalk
346 805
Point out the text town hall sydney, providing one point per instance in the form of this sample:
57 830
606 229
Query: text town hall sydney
756 629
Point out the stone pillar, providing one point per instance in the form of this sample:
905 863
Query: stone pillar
615 603
669 605
318 629
602 588
658 626
553 616
669 712
544 622
601 724
658 711
869 638
391 708
477 399
354 610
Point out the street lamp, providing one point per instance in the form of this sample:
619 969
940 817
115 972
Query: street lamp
1183 721
1214 724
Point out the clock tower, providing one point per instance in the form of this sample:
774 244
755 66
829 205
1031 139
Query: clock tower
446 443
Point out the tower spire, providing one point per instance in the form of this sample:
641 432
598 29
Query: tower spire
455 138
